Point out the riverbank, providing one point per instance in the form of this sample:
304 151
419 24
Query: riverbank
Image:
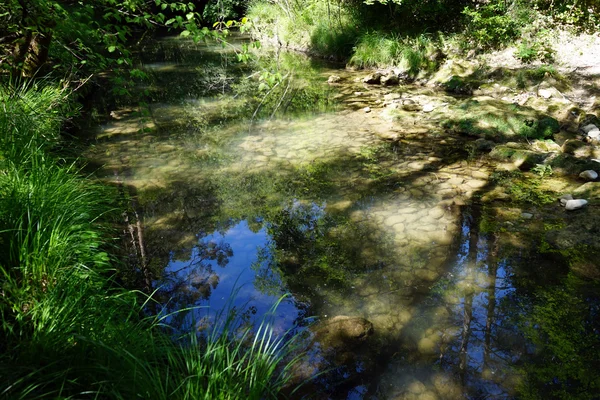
69 329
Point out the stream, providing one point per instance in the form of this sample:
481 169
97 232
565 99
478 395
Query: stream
252 184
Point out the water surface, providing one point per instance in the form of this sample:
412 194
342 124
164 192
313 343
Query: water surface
294 188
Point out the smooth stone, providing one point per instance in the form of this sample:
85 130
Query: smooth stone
428 108
545 93
572 205
393 220
480 175
526 215
564 198
588 128
476 184
594 134
367 109
436 213
589 175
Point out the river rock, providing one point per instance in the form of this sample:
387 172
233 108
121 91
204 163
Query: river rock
589 190
391 97
373 78
576 204
594 134
334 79
367 109
428 108
586 129
526 215
410 105
482 144
389 80
545 93
342 331
589 175
564 198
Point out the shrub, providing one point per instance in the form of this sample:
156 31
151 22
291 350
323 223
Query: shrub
490 25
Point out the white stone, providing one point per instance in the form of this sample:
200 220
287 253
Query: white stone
428 108
594 133
545 93
589 128
526 215
367 109
576 204
589 174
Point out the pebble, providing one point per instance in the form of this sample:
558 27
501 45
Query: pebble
576 204
526 215
367 109
589 174
428 108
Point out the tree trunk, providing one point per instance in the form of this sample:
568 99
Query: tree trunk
38 53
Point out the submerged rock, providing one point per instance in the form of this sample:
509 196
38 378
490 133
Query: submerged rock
342 331
576 204
589 175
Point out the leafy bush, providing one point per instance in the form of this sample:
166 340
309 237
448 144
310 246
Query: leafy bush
490 25
377 49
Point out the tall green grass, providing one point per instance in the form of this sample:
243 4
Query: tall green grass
378 49
68 330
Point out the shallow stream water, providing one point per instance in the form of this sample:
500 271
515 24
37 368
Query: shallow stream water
293 187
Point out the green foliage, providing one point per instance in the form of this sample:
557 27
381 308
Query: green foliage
78 37
542 170
563 326
379 49
536 75
324 28
537 46
490 25
524 188
582 14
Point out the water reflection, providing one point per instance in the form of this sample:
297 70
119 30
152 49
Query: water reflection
225 269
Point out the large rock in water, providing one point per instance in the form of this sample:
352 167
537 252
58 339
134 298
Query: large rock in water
342 331
336 346
373 78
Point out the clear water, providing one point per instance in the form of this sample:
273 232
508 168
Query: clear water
295 189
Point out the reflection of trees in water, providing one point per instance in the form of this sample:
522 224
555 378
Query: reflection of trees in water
185 285
528 327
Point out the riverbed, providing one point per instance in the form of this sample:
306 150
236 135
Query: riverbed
256 181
